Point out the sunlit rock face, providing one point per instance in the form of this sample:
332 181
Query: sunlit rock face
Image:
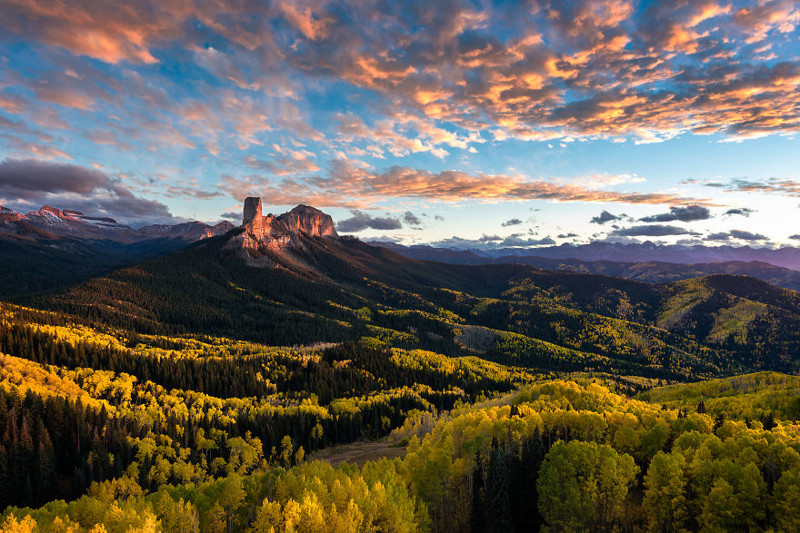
306 220
262 234
252 210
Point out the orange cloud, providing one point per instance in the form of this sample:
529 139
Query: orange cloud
347 184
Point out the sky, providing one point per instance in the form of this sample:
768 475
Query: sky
453 123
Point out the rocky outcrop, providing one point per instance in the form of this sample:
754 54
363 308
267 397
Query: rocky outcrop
252 210
306 220
263 236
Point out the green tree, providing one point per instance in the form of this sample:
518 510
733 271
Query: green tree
583 486
665 493
787 500
498 503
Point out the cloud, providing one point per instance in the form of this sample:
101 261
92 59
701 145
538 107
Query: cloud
689 213
441 73
511 222
605 216
26 183
296 163
492 242
603 69
232 216
782 186
347 183
411 219
361 221
720 236
737 234
651 230
747 235
795 237
742 211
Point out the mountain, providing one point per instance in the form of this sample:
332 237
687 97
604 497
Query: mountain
647 271
193 391
53 248
787 257
291 279
270 240
646 252
49 223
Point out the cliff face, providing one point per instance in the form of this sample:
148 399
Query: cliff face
264 234
306 220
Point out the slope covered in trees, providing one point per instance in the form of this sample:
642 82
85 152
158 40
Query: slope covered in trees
512 314
560 455
85 405
189 392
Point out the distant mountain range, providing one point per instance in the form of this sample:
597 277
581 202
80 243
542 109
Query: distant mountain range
642 262
49 223
290 279
51 247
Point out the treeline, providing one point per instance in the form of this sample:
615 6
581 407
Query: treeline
311 497
572 322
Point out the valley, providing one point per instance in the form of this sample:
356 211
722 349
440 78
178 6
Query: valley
213 385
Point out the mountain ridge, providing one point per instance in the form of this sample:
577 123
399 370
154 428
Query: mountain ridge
647 271
50 223
325 289
786 256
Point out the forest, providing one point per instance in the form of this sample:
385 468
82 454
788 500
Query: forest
555 455
190 394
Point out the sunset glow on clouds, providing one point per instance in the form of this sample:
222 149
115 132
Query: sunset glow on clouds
462 114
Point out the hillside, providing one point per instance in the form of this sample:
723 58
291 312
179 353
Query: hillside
190 390
302 288
650 271
568 455
52 249
756 396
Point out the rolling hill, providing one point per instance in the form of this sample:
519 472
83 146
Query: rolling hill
279 283
650 271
